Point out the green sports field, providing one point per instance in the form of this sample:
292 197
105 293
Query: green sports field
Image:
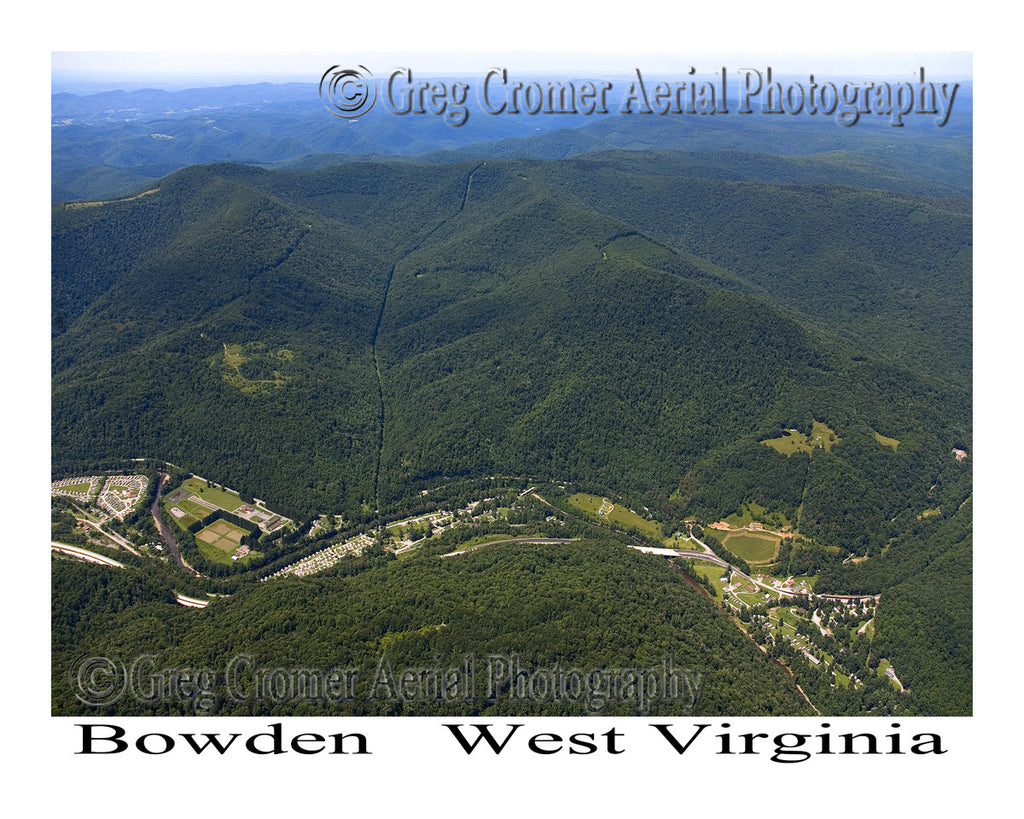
751 546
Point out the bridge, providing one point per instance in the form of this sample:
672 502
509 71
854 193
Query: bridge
710 557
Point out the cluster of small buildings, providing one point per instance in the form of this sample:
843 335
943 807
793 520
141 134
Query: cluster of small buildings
121 493
63 487
325 558
266 520
785 587
438 521
117 497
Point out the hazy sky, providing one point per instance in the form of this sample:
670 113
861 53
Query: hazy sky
200 68
196 42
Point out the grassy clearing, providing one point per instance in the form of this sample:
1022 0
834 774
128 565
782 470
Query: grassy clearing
890 442
193 508
883 666
789 443
713 574
755 513
751 598
749 513
78 488
222 498
784 620
808 579
617 516
586 503
741 595
752 547
221 535
235 355
792 441
216 555
185 520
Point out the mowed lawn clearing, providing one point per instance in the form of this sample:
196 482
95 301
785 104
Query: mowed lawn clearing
78 488
752 547
617 515
226 500
822 436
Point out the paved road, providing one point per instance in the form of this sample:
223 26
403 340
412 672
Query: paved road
191 602
114 536
512 540
85 554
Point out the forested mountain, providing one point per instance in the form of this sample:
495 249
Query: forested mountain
473 318
584 606
343 339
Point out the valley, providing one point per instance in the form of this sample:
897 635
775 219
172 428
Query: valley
825 639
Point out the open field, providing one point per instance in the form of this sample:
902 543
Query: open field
220 539
235 355
712 573
190 507
617 515
753 547
228 501
217 555
197 498
182 510
822 436
751 598
222 535
748 513
752 513
181 518
884 666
